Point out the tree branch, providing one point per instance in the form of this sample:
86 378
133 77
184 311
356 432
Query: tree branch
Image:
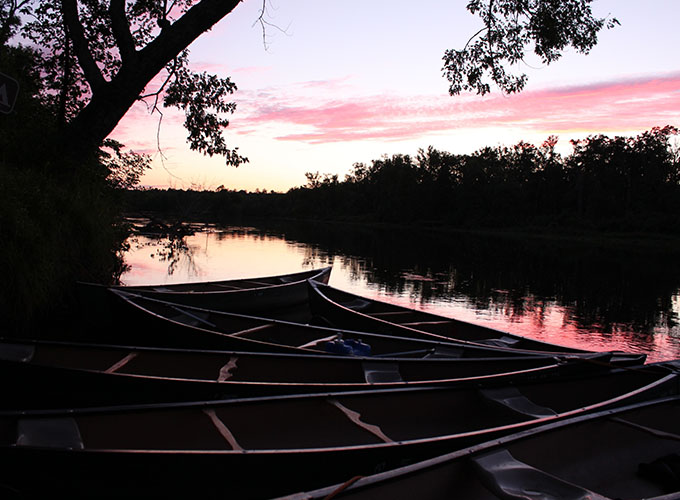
90 69
121 30
173 39
101 115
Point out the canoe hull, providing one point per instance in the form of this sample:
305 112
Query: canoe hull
291 292
269 293
258 448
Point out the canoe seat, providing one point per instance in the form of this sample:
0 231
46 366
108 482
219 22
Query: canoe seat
17 352
509 478
664 471
447 352
49 433
375 373
191 319
503 341
357 304
511 398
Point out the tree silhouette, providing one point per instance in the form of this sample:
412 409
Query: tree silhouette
510 27
99 56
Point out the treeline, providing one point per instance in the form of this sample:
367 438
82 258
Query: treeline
610 184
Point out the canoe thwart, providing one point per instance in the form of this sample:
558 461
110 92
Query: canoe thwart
381 372
17 352
355 417
120 364
49 433
654 432
512 398
227 371
223 429
509 478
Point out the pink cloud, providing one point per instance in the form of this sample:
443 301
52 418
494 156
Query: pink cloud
634 104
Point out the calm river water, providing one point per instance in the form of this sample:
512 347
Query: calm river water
593 297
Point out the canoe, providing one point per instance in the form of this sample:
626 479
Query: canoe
346 310
150 322
63 374
631 452
237 295
263 447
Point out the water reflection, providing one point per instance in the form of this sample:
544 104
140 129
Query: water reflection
597 297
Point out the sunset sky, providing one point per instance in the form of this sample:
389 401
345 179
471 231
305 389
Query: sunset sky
335 83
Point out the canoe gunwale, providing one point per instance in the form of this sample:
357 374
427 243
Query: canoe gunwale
298 278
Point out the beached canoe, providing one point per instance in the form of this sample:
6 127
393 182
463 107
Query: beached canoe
631 452
264 447
268 293
150 322
63 374
346 310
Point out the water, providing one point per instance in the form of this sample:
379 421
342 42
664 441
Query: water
593 297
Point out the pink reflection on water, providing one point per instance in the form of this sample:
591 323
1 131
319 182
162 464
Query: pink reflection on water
215 254
545 321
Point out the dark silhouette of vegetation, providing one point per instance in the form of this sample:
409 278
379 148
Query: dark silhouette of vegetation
606 184
510 27
57 224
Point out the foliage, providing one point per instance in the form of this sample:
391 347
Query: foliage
196 94
125 168
510 27
97 58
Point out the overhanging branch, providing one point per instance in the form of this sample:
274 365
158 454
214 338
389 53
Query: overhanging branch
90 69
180 34
121 30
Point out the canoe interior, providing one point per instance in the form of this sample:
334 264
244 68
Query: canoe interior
218 450
605 455
152 322
329 421
264 367
346 310
63 375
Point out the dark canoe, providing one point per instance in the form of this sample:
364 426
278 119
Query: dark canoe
62 375
240 295
150 322
346 310
263 447
631 452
